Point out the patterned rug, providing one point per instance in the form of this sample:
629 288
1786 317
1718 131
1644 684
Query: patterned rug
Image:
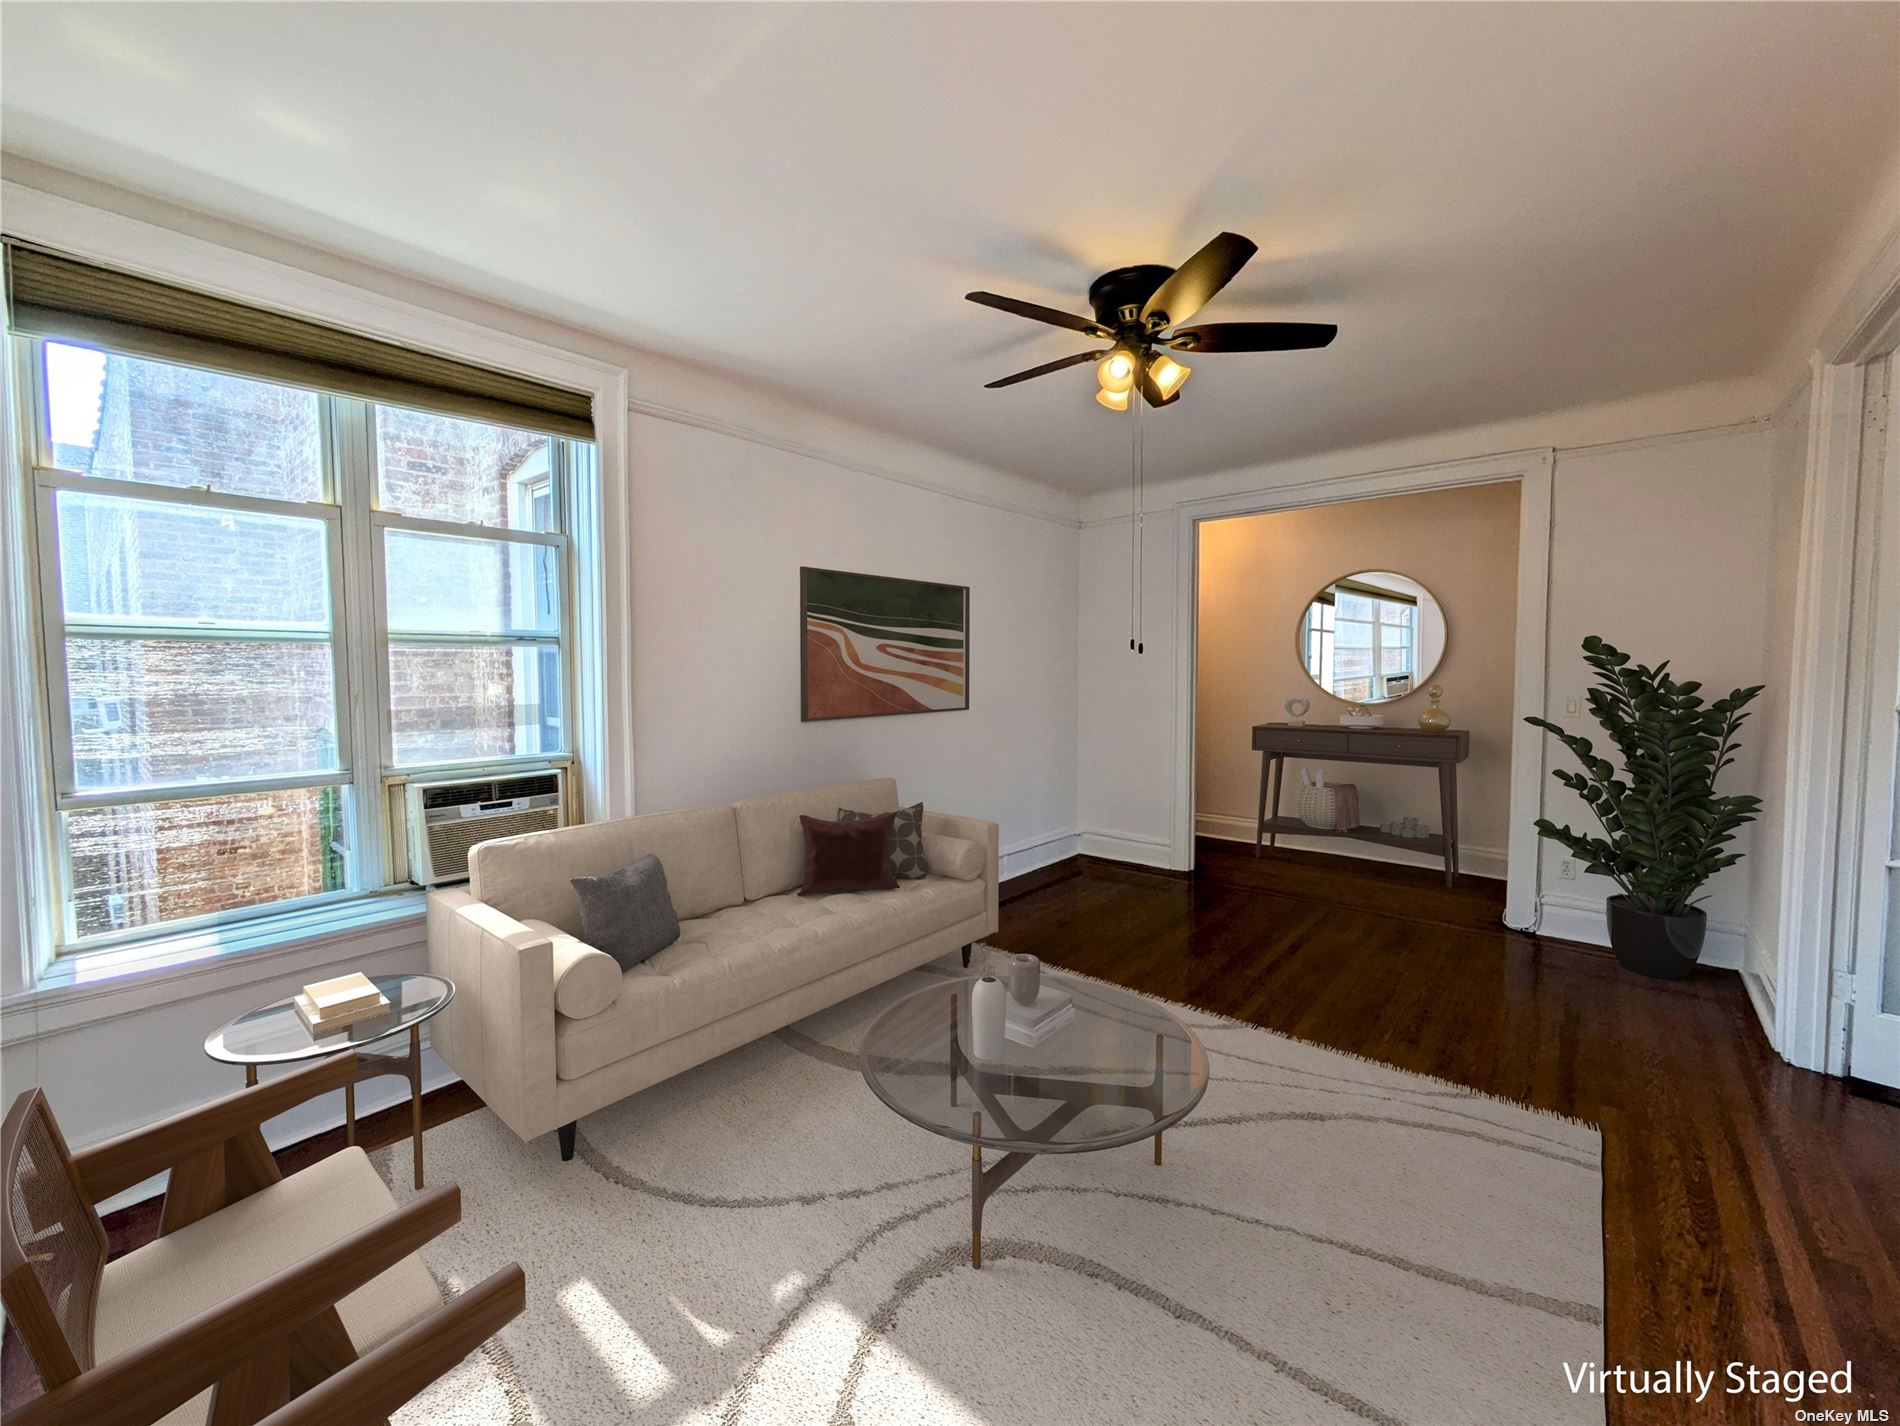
761 1241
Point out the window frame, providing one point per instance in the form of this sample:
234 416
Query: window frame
358 635
1322 633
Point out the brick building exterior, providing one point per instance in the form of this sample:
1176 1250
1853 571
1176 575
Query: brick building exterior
165 710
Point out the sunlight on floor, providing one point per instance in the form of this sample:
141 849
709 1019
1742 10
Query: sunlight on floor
641 1375
717 1336
787 1287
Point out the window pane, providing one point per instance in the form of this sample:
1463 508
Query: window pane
444 468
153 711
1393 660
1353 606
464 704
152 561
131 419
445 584
164 861
1354 635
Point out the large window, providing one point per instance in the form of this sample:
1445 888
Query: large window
264 607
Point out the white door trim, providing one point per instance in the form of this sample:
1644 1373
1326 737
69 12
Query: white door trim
1822 816
1873 1036
1532 469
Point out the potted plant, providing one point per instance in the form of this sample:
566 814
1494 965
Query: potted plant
1664 827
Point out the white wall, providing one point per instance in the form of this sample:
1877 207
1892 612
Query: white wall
720 528
732 488
1659 545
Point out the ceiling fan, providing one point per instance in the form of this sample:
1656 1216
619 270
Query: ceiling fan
1139 309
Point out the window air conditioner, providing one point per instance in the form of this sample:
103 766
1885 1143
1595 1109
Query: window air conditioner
447 818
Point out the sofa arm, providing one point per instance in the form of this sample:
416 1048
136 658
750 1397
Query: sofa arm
985 835
498 1032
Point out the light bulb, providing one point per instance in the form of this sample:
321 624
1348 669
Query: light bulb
1114 400
1168 374
1116 372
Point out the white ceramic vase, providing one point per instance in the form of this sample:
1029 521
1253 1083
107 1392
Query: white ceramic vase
988 1000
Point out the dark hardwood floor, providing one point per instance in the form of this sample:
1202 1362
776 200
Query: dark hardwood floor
1751 1210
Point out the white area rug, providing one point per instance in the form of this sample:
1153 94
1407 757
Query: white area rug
760 1240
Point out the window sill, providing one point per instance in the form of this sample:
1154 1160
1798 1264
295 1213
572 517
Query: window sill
88 986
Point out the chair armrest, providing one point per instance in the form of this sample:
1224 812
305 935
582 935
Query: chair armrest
986 836
131 1158
367 1391
498 1032
139 1387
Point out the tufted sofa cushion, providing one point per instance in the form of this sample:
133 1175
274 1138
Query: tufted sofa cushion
742 955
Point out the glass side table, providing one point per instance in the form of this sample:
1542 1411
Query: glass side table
274 1034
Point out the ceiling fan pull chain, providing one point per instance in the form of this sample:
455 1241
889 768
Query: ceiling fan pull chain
1138 575
1134 526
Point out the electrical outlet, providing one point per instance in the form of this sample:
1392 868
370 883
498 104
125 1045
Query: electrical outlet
1573 706
1567 870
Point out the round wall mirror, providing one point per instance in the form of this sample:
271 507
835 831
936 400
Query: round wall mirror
1371 637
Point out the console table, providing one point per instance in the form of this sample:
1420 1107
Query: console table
1407 747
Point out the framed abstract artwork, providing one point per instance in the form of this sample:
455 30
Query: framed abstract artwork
871 645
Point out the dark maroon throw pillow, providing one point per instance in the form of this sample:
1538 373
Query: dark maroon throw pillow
847 856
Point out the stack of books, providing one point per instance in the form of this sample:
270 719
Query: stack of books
332 1005
1051 1013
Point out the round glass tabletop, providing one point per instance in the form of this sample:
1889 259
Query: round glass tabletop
1123 1069
275 1034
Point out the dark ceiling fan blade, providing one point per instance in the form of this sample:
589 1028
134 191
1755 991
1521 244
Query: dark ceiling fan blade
1046 368
1253 337
1198 279
1038 314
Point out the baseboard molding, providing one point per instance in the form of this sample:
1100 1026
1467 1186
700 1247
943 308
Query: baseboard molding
1578 918
1127 847
1761 995
1472 861
1037 853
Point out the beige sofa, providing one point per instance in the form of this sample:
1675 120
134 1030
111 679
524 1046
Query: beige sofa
546 1028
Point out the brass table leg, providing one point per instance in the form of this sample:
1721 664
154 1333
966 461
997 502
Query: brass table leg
250 1076
349 1115
1160 1054
415 1095
976 1195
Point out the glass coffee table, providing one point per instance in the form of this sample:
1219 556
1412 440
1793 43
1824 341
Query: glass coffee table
275 1034
1124 1070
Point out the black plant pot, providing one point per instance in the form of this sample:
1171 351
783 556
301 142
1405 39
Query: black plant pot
1653 944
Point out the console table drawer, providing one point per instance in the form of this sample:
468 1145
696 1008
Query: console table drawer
1315 741
1401 745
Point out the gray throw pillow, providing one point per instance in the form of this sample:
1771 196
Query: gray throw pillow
628 913
908 862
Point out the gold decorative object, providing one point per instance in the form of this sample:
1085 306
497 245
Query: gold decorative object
1434 719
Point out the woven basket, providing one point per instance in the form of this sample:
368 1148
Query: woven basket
1332 807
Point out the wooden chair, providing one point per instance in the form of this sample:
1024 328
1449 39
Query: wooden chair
264 1299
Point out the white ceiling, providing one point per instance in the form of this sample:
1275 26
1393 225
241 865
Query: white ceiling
1506 209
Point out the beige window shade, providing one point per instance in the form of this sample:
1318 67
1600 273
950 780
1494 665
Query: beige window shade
67 300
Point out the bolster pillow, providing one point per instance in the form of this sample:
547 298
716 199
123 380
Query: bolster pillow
586 981
953 856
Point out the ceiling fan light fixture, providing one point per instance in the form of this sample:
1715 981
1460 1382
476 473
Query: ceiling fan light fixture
1116 373
1114 400
1168 374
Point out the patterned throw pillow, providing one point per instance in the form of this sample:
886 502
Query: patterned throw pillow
908 862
